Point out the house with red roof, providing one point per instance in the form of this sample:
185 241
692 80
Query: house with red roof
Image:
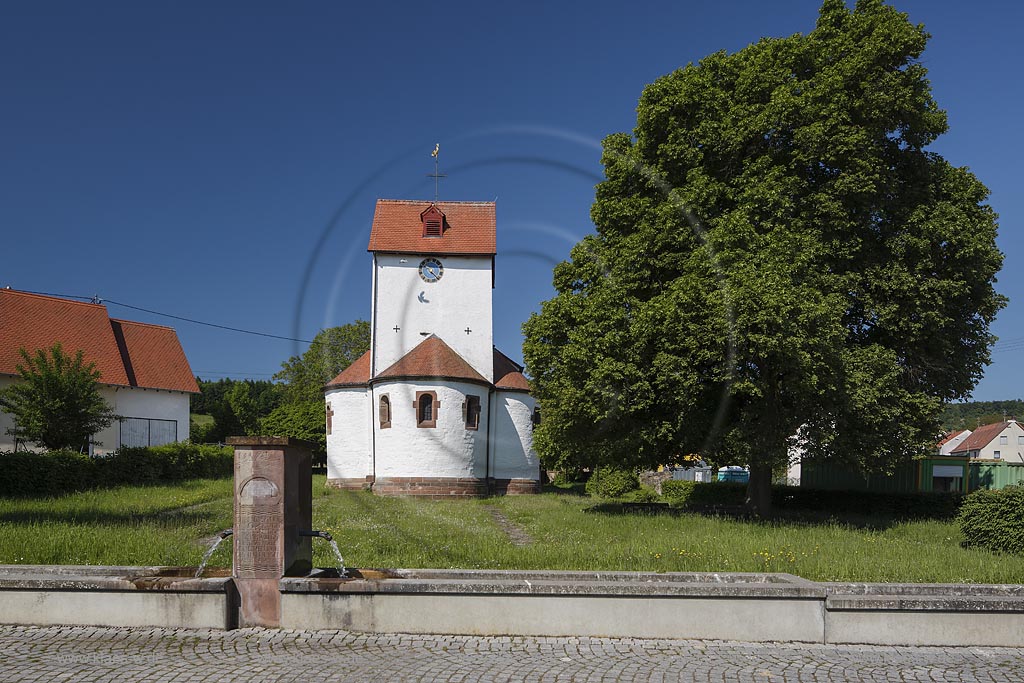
144 375
433 408
998 442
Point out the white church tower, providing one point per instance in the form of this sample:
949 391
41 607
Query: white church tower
432 409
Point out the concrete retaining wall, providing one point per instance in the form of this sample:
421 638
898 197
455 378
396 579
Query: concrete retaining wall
752 607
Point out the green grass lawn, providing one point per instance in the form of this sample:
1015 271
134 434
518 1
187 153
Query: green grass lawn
168 525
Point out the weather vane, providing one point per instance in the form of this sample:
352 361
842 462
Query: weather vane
436 175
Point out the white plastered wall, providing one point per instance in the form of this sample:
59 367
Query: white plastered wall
348 444
6 421
514 457
126 402
153 404
460 300
446 450
1011 451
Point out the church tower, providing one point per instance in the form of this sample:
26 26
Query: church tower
432 408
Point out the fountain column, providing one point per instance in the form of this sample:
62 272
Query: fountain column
273 511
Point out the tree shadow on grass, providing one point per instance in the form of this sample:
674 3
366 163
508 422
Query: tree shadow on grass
738 513
184 516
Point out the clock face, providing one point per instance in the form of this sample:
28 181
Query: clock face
431 270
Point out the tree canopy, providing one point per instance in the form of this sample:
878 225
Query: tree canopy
57 404
332 350
778 259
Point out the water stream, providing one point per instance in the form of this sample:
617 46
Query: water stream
213 547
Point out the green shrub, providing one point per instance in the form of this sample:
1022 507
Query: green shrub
994 519
606 482
644 494
677 491
59 472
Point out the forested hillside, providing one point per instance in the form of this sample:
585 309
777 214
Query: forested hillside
973 413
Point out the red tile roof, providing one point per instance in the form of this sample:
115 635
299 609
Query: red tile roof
949 437
355 375
981 437
126 353
469 228
508 374
433 359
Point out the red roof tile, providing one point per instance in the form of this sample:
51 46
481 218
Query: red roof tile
154 357
469 228
355 375
433 359
508 374
981 437
125 353
949 437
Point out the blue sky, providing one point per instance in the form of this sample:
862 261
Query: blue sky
220 161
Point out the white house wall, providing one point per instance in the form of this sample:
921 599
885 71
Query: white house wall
348 444
149 404
514 457
127 402
6 420
460 300
447 450
1011 451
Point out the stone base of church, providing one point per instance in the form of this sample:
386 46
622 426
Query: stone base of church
438 487
514 487
353 484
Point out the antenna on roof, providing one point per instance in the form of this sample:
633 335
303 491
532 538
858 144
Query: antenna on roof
96 299
436 175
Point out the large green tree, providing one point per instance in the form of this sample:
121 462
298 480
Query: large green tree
331 351
57 404
778 259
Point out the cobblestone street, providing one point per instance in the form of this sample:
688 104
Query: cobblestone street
190 656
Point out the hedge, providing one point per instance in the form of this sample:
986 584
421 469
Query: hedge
922 505
606 482
680 492
60 472
994 519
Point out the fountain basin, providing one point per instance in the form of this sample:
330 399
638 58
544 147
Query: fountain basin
733 606
114 596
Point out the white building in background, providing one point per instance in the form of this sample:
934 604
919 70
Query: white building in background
144 375
432 408
1001 441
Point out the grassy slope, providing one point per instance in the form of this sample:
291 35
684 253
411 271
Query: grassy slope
164 525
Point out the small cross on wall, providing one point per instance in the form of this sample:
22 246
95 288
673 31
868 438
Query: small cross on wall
397 328
468 330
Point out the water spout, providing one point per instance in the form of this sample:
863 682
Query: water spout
213 546
342 572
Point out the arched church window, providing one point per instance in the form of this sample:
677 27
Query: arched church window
384 411
426 406
330 415
471 412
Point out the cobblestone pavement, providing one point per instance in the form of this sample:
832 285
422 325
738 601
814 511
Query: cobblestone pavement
192 656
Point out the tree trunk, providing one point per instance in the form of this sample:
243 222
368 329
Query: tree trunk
759 490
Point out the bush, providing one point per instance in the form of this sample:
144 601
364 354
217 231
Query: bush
644 494
59 472
680 492
994 519
606 482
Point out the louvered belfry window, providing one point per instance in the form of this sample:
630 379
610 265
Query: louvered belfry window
433 222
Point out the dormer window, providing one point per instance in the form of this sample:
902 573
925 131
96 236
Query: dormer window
433 222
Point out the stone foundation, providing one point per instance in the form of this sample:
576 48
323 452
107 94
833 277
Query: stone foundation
351 484
514 487
431 487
